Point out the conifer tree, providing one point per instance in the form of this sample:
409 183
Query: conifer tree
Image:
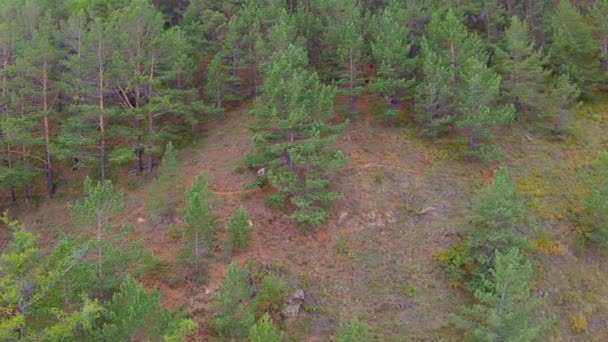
445 48
391 44
564 95
572 50
238 230
599 14
215 82
93 214
293 116
200 229
522 69
594 220
233 305
133 312
265 331
505 309
27 282
87 129
345 33
497 209
115 256
142 65
38 68
478 110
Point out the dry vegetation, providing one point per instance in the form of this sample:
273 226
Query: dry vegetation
405 201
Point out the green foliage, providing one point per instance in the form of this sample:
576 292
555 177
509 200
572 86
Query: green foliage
215 85
265 331
101 203
275 200
354 331
478 110
162 198
445 49
391 44
239 230
272 293
133 313
573 51
233 305
564 96
200 226
346 35
293 114
523 71
505 308
497 209
593 222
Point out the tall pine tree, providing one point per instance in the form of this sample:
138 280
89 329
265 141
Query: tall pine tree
293 119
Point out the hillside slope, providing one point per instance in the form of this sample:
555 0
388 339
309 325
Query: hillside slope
404 201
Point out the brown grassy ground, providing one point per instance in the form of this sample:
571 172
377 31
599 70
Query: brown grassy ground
386 275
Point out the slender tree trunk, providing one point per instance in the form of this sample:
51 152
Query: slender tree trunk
353 97
151 118
48 166
100 275
138 148
102 121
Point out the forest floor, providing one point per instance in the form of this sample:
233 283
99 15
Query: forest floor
405 200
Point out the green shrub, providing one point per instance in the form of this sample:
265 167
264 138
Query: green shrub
239 230
233 306
272 294
354 331
593 221
275 200
264 331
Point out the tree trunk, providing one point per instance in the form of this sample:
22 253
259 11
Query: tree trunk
102 122
48 166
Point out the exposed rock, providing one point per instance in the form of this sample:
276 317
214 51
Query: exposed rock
290 311
298 295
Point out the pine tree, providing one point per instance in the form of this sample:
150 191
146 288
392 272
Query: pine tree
391 44
599 14
162 199
93 214
345 34
564 95
445 48
265 331
354 331
200 229
573 51
233 305
505 307
522 69
594 219
497 209
293 116
133 312
37 67
238 230
86 132
26 284
478 110
142 66
215 82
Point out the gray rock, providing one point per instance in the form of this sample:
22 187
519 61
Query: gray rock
290 311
